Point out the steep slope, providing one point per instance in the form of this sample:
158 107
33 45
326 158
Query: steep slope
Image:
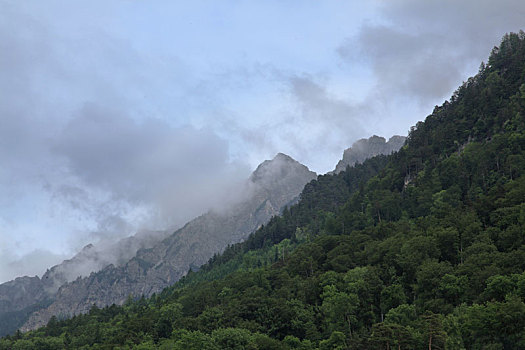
368 148
272 186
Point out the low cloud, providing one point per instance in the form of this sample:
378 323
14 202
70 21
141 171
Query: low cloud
85 154
104 176
323 119
35 262
174 173
420 51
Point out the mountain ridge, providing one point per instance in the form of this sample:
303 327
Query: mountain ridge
273 185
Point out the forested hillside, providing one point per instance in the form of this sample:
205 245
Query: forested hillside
424 249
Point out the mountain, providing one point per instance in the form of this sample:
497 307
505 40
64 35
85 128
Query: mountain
95 257
367 148
420 249
273 185
24 295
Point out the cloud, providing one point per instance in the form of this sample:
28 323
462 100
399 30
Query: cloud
322 118
85 154
408 65
421 50
300 117
174 173
35 262
104 176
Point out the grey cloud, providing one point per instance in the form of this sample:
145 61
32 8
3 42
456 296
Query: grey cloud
317 105
417 66
323 119
112 175
35 262
422 49
314 126
98 170
177 172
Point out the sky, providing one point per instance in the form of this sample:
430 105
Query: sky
118 116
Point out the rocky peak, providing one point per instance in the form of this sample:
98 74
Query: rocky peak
279 181
282 168
367 148
87 248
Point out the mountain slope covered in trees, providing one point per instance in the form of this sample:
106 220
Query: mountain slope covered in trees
421 249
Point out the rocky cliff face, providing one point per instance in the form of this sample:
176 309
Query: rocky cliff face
94 258
273 185
26 294
368 148
20 293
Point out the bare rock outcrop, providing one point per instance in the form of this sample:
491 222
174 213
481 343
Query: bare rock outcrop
368 148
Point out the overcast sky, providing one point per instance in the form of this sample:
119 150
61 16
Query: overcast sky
122 115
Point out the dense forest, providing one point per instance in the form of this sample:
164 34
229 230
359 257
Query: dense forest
423 249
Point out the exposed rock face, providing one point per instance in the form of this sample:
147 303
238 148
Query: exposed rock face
20 293
94 258
272 186
368 148
26 294
18 299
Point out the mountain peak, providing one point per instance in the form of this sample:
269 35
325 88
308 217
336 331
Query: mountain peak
88 247
367 148
282 156
280 167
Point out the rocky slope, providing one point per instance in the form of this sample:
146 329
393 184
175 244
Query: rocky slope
26 294
94 258
368 148
272 186
23 295
20 293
